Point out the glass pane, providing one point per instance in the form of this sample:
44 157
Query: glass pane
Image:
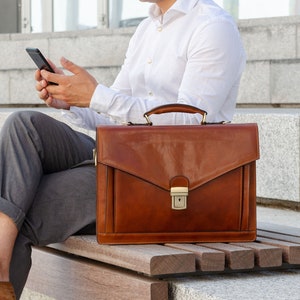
125 13
74 14
263 8
247 9
36 16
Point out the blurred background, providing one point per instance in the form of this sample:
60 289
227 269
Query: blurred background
26 16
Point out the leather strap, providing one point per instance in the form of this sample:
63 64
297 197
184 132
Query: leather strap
171 108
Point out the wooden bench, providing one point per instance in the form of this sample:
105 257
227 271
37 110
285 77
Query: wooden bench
80 268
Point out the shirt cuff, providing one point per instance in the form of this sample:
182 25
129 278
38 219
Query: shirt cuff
102 99
77 116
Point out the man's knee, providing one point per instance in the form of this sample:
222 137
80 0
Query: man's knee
21 119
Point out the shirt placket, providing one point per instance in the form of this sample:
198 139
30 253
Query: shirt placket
151 59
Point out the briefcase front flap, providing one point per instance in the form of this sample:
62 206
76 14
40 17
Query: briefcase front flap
158 154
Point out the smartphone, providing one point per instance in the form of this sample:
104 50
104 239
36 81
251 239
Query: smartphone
40 60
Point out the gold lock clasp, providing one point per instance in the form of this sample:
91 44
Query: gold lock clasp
179 197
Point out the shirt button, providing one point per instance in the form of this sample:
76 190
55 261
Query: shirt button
159 28
150 94
149 61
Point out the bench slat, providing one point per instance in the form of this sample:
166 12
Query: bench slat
237 258
69 278
265 255
290 251
207 260
147 259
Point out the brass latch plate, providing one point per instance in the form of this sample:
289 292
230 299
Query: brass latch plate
179 197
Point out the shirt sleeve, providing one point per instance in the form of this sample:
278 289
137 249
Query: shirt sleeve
86 118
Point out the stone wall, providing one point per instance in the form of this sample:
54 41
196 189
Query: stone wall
100 51
271 77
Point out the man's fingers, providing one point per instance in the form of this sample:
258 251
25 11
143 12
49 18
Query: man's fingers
41 84
37 75
51 77
70 66
43 94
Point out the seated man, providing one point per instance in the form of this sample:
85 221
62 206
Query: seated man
186 51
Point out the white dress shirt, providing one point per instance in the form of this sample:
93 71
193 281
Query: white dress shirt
192 54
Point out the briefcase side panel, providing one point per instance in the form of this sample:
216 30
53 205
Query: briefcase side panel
105 200
252 222
248 213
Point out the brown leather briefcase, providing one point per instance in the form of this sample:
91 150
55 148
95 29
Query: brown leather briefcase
180 183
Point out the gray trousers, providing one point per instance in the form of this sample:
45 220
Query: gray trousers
46 186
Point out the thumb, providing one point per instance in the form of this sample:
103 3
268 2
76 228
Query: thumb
70 66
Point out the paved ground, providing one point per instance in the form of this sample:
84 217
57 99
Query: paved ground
279 285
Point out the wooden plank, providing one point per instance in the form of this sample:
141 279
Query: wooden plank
276 228
69 278
290 251
148 259
266 256
207 260
237 258
278 236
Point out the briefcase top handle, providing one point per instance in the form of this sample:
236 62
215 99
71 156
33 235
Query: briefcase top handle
170 108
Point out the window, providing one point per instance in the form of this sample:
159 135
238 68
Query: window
74 14
40 15
124 13
63 15
248 9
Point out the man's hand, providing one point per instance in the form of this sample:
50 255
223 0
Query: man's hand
41 85
73 90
